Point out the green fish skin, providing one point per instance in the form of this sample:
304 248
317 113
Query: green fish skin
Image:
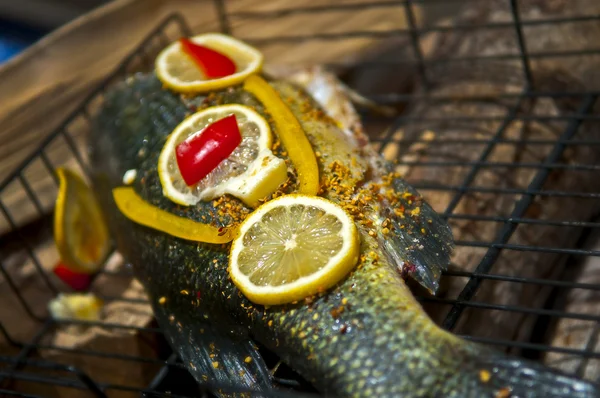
365 337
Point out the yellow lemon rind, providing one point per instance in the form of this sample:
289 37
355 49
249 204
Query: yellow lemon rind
136 209
290 132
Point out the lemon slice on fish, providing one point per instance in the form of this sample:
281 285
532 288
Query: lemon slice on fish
80 233
178 71
292 247
250 173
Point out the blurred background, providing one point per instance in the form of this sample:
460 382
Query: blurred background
23 22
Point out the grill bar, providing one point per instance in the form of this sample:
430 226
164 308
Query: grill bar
505 191
19 296
416 45
518 26
10 393
400 97
484 155
26 350
28 248
504 165
223 16
520 208
500 141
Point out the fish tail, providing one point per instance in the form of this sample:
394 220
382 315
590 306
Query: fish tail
485 372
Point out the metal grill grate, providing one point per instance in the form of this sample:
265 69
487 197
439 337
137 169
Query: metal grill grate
426 138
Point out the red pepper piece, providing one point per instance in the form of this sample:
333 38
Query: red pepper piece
213 63
200 154
78 281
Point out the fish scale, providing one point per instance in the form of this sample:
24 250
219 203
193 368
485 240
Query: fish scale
366 336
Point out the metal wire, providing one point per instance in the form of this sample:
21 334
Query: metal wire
22 367
509 228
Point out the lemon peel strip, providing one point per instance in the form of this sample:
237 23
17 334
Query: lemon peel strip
70 256
290 133
141 212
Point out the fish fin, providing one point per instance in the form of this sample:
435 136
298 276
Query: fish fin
421 241
505 375
361 101
231 365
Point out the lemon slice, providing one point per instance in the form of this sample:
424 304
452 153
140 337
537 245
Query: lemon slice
250 173
177 70
292 247
80 233
78 306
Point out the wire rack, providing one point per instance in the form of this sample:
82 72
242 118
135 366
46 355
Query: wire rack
27 370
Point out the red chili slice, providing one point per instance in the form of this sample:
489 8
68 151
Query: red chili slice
213 63
202 153
78 281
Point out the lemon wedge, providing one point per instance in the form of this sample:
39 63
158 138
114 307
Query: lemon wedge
80 233
139 211
290 133
76 306
292 247
177 70
250 173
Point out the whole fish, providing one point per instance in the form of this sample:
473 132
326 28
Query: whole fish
367 336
